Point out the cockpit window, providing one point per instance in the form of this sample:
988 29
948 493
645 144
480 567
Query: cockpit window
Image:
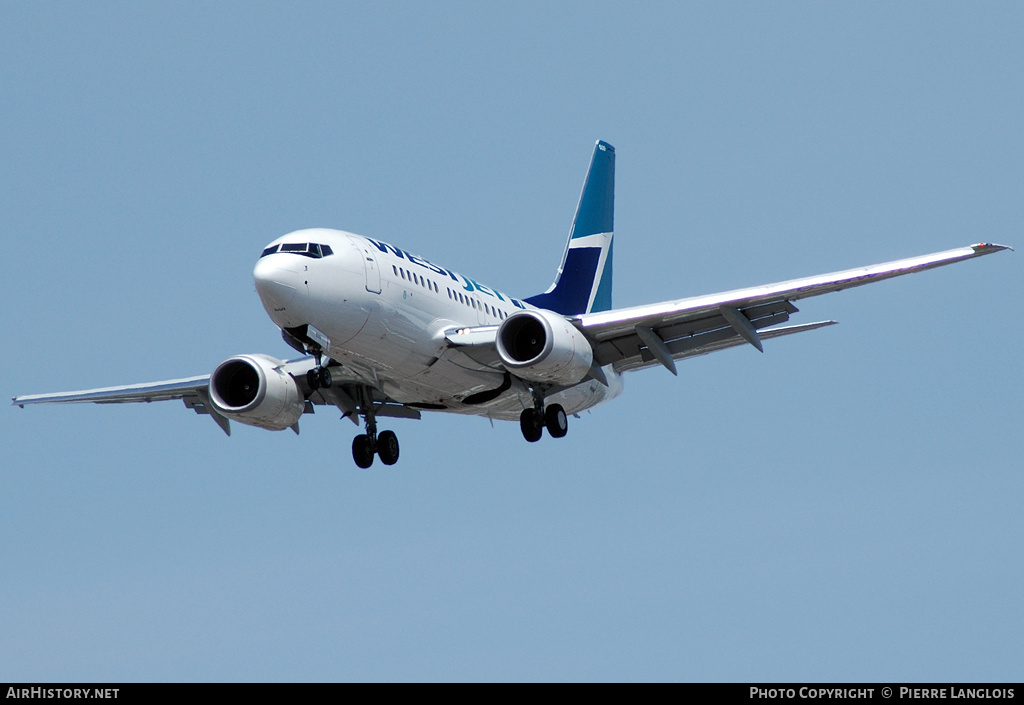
306 249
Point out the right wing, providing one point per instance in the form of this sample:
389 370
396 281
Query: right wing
347 393
153 391
192 390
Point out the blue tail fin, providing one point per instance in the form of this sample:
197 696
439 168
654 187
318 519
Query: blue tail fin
583 282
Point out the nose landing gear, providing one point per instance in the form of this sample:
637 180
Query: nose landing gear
319 376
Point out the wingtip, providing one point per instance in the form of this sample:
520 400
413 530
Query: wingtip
984 248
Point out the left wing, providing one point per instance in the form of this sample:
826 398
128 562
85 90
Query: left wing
637 337
641 336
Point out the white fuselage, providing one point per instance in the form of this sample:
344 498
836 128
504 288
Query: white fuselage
382 313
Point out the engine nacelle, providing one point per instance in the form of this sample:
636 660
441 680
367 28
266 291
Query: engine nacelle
252 389
542 346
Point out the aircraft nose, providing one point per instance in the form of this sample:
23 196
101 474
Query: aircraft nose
276 285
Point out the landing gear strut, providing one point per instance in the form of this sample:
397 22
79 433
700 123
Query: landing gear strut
533 421
366 445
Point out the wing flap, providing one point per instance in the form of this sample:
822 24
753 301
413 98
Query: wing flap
630 345
711 342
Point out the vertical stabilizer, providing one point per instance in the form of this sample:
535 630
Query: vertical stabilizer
583 282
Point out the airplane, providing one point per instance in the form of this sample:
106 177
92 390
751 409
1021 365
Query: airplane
385 333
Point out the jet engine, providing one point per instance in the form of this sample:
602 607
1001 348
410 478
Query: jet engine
542 346
252 389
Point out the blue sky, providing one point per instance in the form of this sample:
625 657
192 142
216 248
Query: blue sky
846 506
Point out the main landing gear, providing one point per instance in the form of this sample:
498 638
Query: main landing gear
366 445
534 421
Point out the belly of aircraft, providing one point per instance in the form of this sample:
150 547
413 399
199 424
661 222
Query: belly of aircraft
447 385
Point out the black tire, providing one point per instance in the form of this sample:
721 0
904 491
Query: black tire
362 453
313 380
387 447
325 378
556 421
531 424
